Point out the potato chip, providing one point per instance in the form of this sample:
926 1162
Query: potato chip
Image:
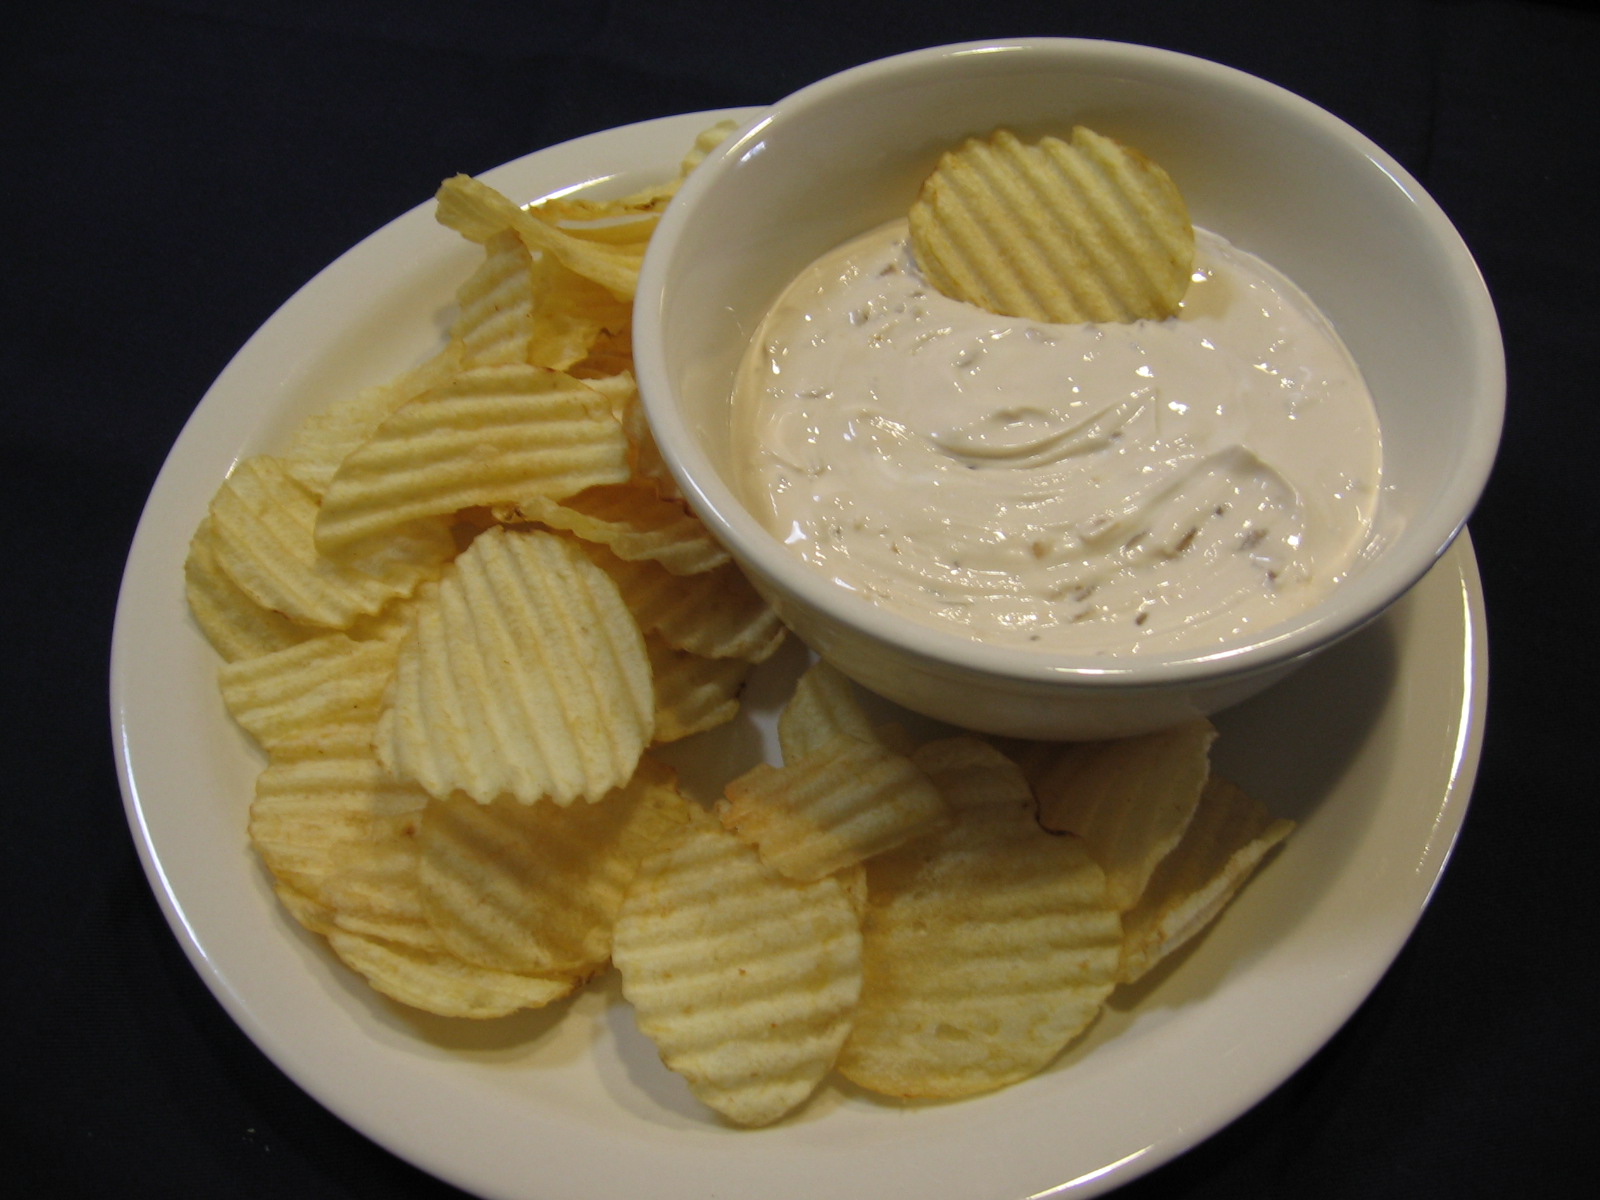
716 613
235 625
744 980
1226 841
1130 800
530 309
987 948
494 320
630 520
329 823
441 984
341 840
262 524
970 773
644 456
522 674
1086 230
323 440
823 706
305 686
536 888
478 212
693 693
838 805
491 435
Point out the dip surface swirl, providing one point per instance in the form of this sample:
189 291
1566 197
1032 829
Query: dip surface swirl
1091 489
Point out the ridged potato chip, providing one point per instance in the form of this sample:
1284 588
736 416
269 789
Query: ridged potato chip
987 948
442 984
744 980
332 825
693 693
644 456
838 805
478 212
522 888
1062 231
323 440
716 613
1130 799
632 521
308 685
519 307
491 435
970 773
319 796
235 625
823 706
262 524
1230 835
341 839
522 675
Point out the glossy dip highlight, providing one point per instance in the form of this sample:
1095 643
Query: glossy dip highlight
1150 487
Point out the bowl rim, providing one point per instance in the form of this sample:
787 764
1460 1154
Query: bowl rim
1351 605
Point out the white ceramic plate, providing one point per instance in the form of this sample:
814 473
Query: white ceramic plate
1372 748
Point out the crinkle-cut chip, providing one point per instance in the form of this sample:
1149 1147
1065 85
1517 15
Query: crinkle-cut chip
303 687
331 824
644 456
744 980
494 318
841 804
987 948
534 887
822 707
316 917
236 626
1067 232
519 307
439 983
262 523
323 440
632 521
693 693
336 831
478 212
970 773
571 315
715 613
522 675
388 624
491 435
1130 799
1230 835
321 798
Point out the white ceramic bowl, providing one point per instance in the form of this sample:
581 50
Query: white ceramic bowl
1266 169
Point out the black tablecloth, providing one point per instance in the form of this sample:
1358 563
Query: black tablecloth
177 168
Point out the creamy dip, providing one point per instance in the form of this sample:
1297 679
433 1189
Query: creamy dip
1151 487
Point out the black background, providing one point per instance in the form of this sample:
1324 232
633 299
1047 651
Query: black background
175 169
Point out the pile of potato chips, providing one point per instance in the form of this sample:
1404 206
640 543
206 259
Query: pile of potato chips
461 608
